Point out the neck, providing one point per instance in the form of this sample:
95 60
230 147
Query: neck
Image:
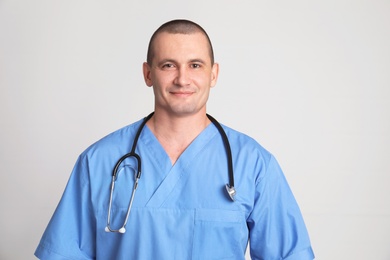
175 134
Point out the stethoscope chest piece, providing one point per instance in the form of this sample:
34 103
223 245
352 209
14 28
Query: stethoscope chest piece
231 191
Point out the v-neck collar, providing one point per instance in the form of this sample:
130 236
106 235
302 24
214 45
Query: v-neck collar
177 174
150 140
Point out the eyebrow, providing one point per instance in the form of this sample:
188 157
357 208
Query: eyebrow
198 61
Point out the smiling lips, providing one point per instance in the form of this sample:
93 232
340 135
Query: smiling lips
181 93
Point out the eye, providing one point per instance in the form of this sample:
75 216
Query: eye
195 65
167 66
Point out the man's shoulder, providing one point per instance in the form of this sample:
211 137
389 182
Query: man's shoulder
118 138
241 141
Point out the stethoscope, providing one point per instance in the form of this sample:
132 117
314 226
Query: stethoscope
229 187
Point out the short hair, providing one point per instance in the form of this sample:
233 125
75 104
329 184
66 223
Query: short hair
178 26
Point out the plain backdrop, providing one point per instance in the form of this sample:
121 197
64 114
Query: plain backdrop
309 80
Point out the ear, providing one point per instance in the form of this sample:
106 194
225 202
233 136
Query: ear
147 74
214 74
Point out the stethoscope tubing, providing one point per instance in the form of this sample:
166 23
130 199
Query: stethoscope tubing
229 187
227 149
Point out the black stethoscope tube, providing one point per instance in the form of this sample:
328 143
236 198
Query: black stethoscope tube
132 152
229 187
227 149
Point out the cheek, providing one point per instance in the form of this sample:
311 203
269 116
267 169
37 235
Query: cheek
163 76
204 82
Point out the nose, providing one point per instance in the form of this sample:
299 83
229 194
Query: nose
182 78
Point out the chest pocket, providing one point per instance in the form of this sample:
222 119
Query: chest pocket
218 234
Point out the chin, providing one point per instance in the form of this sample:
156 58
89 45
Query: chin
184 112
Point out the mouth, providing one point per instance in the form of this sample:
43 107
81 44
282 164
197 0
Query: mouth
181 93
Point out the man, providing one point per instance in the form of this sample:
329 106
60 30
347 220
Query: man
181 209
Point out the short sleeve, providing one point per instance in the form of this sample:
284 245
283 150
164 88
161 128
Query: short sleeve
276 227
71 230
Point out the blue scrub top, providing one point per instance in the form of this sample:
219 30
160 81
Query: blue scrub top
180 211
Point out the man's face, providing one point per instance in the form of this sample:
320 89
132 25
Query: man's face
181 73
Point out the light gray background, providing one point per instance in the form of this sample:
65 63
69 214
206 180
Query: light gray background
310 80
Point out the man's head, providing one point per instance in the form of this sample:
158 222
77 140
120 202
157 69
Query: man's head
178 27
180 68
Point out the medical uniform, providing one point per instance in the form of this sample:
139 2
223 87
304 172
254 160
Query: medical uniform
180 211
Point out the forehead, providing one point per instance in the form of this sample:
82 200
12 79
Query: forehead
176 44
